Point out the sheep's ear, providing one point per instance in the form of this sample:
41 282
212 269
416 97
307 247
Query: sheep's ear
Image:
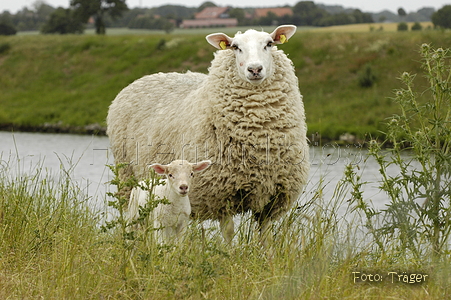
220 41
160 169
282 33
201 165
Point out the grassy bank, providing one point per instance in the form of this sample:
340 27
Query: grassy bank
67 82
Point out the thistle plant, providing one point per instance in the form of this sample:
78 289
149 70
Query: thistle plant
129 236
418 141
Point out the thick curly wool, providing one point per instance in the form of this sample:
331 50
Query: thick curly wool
254 135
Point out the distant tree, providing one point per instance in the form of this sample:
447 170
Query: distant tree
6 24
63 21
6 18
98 9
442 17
401 12
426 13
205 5
361 17
237 13
168 27
307 13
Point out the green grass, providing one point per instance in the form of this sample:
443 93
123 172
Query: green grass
71 80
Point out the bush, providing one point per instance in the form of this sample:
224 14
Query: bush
417 26
403 26
7 29
367 77
62 21
4 47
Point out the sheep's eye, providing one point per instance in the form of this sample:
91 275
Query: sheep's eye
192 174
269 45
235 47
171 176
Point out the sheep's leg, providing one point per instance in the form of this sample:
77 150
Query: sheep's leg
265 222
266 237
227 230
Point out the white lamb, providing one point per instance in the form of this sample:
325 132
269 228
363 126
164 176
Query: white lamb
246 116
173 217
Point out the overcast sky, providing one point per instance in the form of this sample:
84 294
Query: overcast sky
367 6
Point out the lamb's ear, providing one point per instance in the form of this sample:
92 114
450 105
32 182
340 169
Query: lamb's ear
282 33
220 41
160 169
201 165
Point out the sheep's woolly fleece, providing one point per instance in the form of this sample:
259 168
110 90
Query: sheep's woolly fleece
254 135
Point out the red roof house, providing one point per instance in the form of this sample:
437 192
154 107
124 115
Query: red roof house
211 17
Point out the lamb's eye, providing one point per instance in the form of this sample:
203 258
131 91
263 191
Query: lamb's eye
170 176
235 47
269 45
192 174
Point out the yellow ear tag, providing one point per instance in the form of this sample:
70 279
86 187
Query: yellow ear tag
223 45
283 39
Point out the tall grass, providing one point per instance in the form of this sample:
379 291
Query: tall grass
52 247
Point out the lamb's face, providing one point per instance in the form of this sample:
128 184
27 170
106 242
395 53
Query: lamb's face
179 174
179 177
254 60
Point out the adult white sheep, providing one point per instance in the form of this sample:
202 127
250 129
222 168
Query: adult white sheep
172 217
246 115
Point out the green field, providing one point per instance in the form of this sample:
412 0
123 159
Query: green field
67 82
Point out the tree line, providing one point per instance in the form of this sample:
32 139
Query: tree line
101 14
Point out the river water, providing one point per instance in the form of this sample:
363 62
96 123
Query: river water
86 157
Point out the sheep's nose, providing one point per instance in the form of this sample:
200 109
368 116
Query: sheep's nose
184 188
255 69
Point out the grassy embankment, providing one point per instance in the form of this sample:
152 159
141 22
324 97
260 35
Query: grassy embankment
70 80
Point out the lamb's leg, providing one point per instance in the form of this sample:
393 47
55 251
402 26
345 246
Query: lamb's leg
181 228
169 233
227 230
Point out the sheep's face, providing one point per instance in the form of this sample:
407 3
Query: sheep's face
252 50
179 174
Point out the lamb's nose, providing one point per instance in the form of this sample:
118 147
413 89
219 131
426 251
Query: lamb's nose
184 188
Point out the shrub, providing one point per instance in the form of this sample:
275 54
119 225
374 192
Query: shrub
403 26
7 29
366 77
4 47
417 26
62 21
